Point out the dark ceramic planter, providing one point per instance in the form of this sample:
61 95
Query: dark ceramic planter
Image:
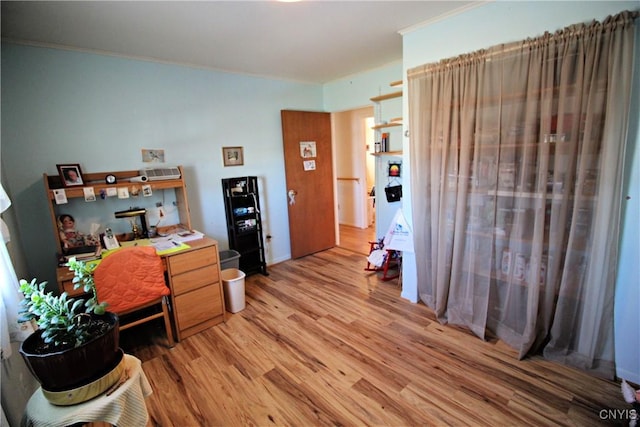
74 367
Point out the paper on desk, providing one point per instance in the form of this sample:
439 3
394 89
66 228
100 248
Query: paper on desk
175 248
167 244
187 236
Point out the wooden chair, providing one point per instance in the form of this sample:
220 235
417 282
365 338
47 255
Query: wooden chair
392 261
131 280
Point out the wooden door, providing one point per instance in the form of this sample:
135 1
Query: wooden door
309 172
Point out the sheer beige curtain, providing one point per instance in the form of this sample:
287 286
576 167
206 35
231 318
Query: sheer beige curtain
516 158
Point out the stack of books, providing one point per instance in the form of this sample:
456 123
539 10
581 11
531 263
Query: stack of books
82 253
385 142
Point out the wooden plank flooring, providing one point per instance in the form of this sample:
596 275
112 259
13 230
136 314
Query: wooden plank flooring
357 239
321 342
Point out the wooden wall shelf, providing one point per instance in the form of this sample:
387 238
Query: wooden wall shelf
97 182
386 125
387 96
388 153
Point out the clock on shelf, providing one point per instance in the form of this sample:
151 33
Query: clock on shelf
110 179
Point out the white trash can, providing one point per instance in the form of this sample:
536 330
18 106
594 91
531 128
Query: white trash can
233 285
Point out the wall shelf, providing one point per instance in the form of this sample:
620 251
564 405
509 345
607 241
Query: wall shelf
244 222
388 153
387 128
53 183
386 125
391 95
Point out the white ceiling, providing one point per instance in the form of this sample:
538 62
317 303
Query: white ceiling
311 41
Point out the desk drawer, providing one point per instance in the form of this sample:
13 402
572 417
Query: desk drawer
192 260
195 279
198 306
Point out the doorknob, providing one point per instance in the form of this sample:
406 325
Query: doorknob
292 196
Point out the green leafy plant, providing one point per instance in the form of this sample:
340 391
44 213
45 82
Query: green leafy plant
83 276
65 322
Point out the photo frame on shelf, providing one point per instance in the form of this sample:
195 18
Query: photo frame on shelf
232 156
70 175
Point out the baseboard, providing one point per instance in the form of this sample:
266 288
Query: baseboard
632 377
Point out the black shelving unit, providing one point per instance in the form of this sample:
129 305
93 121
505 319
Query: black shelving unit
244 222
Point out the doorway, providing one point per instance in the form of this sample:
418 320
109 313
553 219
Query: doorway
353 141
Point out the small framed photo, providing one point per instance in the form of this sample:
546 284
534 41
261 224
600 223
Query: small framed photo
395 169
70 175
232 156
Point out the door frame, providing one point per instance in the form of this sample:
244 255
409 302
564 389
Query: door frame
362 175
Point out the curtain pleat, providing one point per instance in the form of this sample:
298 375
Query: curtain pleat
517 154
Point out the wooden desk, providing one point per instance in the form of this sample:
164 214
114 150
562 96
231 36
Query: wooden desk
193 275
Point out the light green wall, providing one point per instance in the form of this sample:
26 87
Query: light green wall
100 111
356 91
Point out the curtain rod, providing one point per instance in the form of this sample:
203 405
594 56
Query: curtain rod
624 17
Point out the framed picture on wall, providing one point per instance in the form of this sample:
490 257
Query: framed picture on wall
70 175
232 156
395 169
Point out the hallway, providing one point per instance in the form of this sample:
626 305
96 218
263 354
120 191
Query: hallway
356 239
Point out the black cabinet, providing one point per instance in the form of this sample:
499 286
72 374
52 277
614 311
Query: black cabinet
244 223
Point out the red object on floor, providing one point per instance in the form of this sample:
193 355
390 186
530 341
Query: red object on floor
391 262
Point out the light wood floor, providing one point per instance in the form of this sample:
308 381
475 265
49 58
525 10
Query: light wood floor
321 342
357 239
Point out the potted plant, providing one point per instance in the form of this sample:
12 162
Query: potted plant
77 340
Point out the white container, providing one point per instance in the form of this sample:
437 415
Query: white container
506 261
520 267
233 285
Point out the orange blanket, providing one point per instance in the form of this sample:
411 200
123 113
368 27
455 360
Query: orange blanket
130 277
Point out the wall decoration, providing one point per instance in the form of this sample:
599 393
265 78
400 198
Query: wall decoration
309 165
395 169
152 156
89 194
60 196
232 156
307 149
123 193
70 175
146 190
